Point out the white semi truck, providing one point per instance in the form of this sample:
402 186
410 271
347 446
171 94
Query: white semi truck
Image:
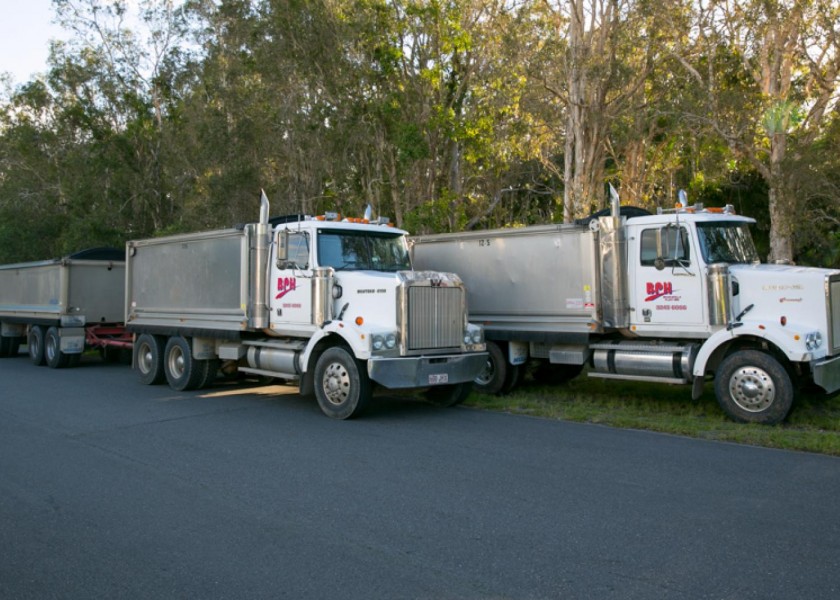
676 297
61 307
331 303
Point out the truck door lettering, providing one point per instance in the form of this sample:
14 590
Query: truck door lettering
284 286
658 289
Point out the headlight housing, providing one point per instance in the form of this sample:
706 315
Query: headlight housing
813 340
382 342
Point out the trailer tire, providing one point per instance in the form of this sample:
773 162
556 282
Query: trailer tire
55 358
753 387
497 374
449 395
148 352
183 372
35 341
342 386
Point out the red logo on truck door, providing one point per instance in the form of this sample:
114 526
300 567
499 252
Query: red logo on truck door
284 286
658 289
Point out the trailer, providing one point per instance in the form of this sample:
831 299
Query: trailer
61 307
678 297
328 302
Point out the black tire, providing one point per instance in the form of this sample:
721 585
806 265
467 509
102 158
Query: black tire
449 395
342 386
496 374
55 358
211 369
36 345
182 371
554 374
753 387
148 352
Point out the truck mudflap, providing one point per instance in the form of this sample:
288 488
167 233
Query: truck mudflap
827 374
423 371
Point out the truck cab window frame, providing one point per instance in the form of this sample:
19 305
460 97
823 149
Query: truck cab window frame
676 249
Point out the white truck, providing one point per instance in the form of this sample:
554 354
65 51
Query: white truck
675 297
331 303
61 307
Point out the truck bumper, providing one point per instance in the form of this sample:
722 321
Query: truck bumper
827 374
423 371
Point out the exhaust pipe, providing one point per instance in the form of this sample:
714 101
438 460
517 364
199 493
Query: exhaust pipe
260 267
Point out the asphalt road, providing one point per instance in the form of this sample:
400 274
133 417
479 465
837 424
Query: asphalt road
112 489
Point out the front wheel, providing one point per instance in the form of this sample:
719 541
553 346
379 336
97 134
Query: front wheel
342 388
449 395
498 376
753 387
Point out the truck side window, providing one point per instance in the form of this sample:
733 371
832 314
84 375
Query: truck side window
299 250
675 248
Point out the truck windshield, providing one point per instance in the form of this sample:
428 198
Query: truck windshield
726 242
357 251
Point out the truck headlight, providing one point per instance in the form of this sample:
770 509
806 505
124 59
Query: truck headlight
390 341
476 336
378 342
813 340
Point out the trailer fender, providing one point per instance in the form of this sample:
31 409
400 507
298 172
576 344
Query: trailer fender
352 335
781 338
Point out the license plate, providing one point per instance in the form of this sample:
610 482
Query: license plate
436 379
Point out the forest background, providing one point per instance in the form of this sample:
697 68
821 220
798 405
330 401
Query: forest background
160 117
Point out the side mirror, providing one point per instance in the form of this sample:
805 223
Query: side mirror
282 248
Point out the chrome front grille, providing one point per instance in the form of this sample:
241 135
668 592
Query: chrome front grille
435 317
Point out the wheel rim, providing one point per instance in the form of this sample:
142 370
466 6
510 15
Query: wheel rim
487 373
144 358
176 362
336 384
50 348
752 389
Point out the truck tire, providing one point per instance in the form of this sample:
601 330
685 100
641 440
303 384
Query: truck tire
449 395
342 386
55 358
211 369
183 372
149 352
498 376
753 387
36 345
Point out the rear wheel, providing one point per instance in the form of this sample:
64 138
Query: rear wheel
55 358
36 345
753 387
498 376
148 351
183 372
342 387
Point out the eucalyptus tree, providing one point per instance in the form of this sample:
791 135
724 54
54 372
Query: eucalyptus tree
769 71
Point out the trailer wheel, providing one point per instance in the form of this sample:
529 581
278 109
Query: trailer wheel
753 387
36 345
449 395
342 387
149 352
497 375
56 359
183 372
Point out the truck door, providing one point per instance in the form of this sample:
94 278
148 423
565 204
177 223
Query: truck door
291 283
666 287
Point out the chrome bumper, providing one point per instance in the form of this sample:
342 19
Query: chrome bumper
423 371
827 374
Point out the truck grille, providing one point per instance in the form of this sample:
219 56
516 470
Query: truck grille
435 318
834 315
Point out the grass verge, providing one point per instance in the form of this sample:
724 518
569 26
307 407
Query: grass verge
813 424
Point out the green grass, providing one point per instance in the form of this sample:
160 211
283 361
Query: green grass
813 424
